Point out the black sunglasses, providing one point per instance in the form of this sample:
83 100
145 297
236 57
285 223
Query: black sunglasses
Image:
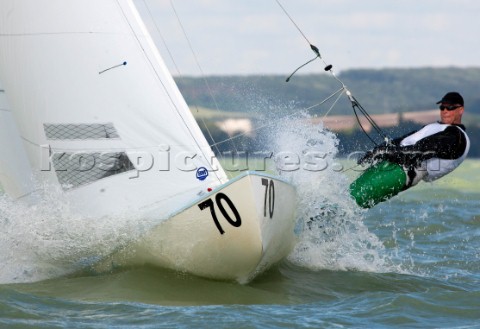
449 107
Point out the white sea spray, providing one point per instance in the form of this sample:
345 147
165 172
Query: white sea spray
332 234
47 239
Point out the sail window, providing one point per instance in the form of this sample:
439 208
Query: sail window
76 169
80 131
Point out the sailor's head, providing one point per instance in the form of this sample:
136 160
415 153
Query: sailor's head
451 108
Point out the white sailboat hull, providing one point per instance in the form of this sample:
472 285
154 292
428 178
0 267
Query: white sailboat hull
235 233
100 121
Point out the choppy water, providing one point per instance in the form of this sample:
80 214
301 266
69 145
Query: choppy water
411 262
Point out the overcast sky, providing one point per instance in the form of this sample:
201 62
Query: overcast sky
256 37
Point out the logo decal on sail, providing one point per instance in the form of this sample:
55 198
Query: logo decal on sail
202 173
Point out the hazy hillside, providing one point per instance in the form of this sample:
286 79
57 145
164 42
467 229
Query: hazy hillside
257 98
379 91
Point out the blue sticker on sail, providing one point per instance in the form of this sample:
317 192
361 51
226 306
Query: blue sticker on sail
202 173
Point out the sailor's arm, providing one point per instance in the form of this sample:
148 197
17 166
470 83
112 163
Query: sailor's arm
447 144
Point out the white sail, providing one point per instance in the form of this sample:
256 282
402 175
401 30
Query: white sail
97 116
15 171
84 79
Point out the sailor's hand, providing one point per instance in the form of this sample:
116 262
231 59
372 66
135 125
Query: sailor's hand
376 154
381 152
366 158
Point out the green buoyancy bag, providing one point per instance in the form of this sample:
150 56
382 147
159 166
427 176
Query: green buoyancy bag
378 183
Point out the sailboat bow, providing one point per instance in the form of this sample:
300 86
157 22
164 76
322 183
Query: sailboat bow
95 115
235 232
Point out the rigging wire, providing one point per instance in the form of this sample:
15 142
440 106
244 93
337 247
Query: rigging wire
174 62
201 72
298 28
355 104
328 68
339 91
179 73
156 72
204 80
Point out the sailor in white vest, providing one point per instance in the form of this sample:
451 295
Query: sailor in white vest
431 152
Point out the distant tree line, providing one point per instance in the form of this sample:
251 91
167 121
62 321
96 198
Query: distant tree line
378 91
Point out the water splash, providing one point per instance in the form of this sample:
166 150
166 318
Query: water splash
331 231
47 239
